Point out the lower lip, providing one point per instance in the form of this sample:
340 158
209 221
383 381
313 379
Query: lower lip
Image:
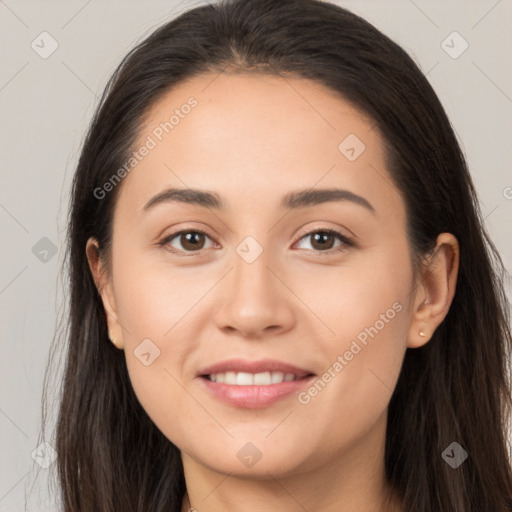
253 397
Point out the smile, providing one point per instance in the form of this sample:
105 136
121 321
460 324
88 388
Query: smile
252 379
252 384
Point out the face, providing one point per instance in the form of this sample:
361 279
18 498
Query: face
264 328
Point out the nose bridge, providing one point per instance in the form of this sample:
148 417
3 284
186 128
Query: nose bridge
254 298
252 277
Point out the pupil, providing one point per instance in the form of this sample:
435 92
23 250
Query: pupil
191 238
319 236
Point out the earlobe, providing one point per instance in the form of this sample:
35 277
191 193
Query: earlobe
435 294
104 288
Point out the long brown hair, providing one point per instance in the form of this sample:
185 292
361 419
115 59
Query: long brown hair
111 457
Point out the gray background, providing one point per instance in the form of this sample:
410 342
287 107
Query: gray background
46 104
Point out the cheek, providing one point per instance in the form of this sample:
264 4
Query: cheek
160 311
364 296
363 365
365 307
166 401
152 297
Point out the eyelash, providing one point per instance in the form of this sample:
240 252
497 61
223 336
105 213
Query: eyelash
346 242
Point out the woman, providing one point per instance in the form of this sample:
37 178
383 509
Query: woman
274 225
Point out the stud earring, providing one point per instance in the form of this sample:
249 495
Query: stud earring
422 334
113 340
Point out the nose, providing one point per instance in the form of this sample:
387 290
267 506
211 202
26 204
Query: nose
255 300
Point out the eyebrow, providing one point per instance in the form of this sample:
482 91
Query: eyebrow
293 200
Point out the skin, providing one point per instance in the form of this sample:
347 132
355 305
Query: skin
252 139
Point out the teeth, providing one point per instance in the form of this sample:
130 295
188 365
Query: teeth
244 379
252 379
262 379
277 377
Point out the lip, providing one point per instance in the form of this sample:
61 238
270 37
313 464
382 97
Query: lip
253 397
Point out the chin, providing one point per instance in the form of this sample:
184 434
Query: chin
252 460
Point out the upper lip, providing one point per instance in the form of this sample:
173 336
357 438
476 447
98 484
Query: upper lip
263 365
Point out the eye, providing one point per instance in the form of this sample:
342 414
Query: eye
191 240
323 240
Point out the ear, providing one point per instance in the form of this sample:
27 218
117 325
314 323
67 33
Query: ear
435 290
104 286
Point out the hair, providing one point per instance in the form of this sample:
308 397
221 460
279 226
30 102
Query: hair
111 456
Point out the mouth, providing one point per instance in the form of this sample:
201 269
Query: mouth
253 384
252 379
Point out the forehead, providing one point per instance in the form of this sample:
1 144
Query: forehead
257 136
295 110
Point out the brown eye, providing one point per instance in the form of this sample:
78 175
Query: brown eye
186 241
192 240
324 240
